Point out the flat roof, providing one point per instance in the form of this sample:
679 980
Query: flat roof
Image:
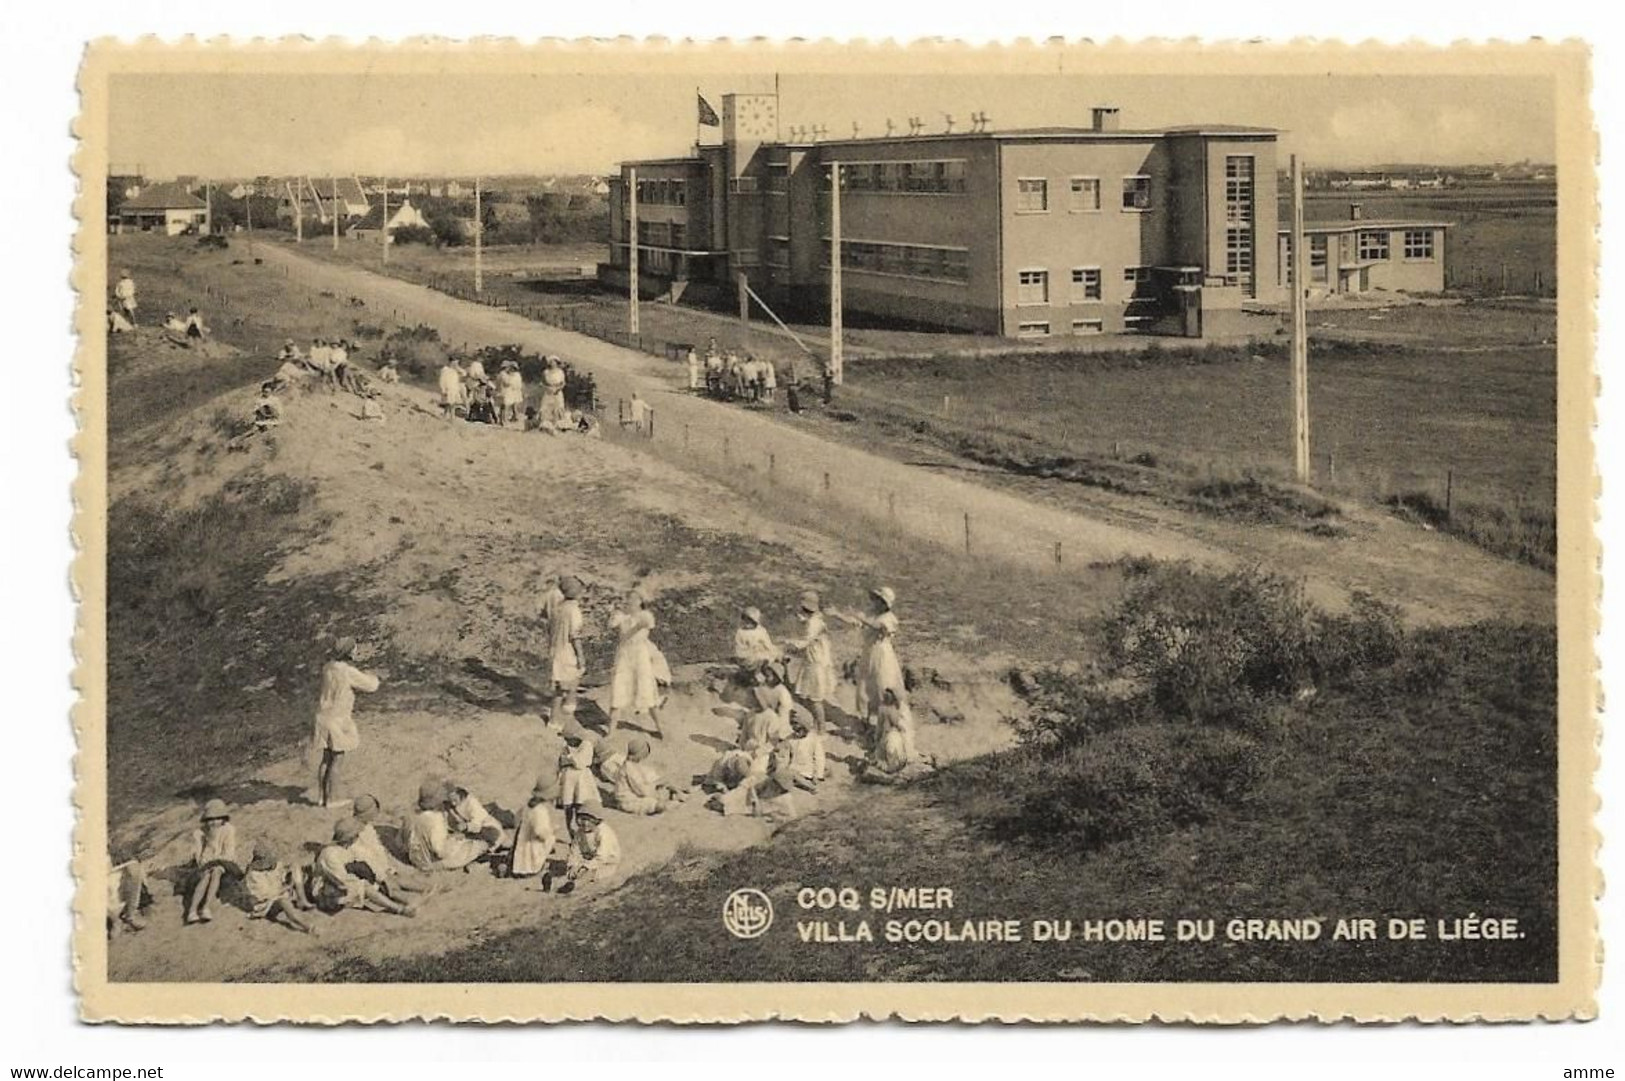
1367 223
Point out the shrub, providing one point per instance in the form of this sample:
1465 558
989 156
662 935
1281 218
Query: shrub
413 234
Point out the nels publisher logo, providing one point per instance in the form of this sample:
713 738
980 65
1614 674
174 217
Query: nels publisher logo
747 913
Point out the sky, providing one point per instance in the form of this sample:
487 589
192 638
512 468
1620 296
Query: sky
234 125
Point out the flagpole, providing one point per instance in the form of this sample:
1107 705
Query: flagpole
696 118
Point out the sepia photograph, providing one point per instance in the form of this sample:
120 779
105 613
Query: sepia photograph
718 532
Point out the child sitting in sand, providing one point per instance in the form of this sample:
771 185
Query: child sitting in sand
274 888
469 816
578 788
338 886
638 788
595 853
753 645
214 855
430 843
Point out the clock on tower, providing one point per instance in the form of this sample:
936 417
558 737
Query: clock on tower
750 118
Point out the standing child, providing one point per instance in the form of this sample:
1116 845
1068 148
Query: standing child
451 388
578 788
214 854
813 672
634 688
879 669
335 733
275 889
533 846
511 386
565 625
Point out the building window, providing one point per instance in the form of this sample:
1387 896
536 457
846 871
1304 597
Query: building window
778 252
1032 196
904 260
742 185
1085 284
778 176
1238 250
1138 280
1419 244
944 177
679 236
1032 330
1136 193
1032 287
1088 326
1373 247
1085 194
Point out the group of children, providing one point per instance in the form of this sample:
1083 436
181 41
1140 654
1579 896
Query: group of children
729 376
468 392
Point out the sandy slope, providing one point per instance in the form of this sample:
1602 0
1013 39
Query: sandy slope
411 500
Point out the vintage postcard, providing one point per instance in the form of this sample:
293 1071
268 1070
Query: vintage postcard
726 532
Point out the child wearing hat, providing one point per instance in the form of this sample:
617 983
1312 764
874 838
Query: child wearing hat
565 624
334 733
879 669
274 888
578 788
511 390
813 672
533 845
375 861
430 843
753 646
214 853
595 853
339 887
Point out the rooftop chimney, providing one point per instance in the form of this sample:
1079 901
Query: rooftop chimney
1105 118
1356 212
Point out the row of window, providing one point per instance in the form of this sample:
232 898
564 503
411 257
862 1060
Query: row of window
672 191
662 235
1032 194
906 260
905 177
1373 246
1032 285
1042 329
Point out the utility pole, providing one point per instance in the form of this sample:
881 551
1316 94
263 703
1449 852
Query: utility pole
298 212
479 234
633 325
386 221
208 212
836 352
334 201
248 207
1300 333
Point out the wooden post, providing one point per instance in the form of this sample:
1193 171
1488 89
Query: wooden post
335 204
208 208
685 437
967 532
1449 492
772 462
727 453
891 505
298 214
743 285
837 353
633 316
386 221
826 481
479 238
1057 553
1300 333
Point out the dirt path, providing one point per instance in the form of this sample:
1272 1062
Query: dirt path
1433 578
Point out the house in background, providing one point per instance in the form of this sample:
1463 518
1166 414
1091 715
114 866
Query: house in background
1359 254
165 208
371 225
321 198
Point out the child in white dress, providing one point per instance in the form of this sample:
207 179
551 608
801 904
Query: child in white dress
214 855
533 845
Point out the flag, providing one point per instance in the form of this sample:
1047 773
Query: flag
708 115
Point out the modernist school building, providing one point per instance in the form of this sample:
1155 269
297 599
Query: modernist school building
1035 232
